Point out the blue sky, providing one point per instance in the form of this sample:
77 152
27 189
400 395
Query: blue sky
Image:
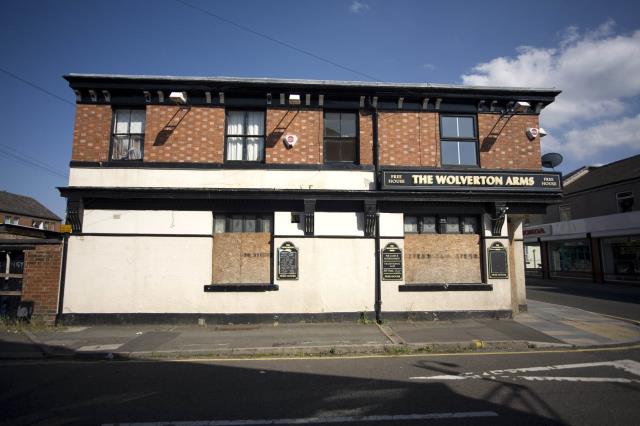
590 50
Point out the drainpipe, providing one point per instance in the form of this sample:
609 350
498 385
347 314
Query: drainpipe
378 283
63 274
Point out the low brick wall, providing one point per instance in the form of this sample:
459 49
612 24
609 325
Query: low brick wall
41 280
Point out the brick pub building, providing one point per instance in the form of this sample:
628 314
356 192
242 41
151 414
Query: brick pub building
240 199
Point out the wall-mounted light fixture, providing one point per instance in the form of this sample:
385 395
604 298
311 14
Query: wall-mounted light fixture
178 97
294 99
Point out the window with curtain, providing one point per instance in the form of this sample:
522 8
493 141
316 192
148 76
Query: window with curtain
128 134
458 140
340 137
245 136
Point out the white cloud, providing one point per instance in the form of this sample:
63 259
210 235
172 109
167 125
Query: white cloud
428 67
597 72
606 135
358 6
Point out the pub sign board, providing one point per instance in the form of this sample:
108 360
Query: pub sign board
498 263
392 262
437 180
287 262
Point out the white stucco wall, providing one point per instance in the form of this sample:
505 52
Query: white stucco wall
416 301
168 274
256 179
164 274
284 226
148 222
391 224
339 223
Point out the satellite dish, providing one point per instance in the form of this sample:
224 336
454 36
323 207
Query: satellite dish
551 160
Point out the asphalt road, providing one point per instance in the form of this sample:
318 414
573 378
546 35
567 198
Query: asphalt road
602 388
609 299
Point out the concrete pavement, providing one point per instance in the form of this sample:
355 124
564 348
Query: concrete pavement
544 325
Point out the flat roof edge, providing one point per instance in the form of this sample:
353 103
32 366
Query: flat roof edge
71 77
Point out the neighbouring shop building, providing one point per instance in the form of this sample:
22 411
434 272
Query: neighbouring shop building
594 233
242 199
30 259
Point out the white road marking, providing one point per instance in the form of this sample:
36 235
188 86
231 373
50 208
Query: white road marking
310 420
99 348
628 365
579 379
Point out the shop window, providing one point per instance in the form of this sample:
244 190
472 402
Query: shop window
241 223
340 137
621 258
565 213
571 258
128 134
445 224
458 140
625 201
244 136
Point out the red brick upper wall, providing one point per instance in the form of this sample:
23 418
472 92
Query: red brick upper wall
511 149
198 138
406 138
409 139
91 133
307 125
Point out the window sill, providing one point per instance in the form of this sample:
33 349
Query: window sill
446 287
226 288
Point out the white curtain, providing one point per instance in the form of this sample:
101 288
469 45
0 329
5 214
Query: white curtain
255 123
235 126
254 127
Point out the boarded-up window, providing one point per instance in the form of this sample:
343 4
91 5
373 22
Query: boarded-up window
442 258
241 249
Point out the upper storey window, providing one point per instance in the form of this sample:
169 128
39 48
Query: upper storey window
340 137
128 134
245 136
458 140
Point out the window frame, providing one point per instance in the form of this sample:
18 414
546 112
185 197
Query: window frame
113 134
356 159
244 136
475 139
565 213
441 224
228 217
621 197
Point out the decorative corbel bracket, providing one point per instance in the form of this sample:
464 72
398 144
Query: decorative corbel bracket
75 212
309 210
497 218
369 218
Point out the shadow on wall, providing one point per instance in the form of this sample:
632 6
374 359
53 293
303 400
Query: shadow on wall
152 390
281 128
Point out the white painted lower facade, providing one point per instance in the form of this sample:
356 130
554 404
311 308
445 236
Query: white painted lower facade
157 262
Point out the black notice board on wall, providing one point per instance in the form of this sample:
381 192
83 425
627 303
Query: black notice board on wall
498 261
287 262
391 262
